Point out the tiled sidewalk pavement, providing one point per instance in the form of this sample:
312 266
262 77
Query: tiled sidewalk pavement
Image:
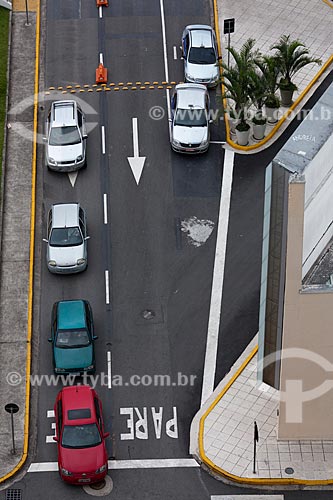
228 434
266 20
310 21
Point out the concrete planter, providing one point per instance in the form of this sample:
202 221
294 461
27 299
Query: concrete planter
258 131
243 137
286 97
272 114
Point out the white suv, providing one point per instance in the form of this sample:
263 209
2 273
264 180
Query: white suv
66 136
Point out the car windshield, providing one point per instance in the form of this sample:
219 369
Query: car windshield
191 117
72 338
202 55
80 436
66 237
64 136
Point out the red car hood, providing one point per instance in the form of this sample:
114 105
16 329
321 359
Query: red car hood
82 460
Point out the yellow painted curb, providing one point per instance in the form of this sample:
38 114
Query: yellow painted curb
232 477
287 113
328 3
31 260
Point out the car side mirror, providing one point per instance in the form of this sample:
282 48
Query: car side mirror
95 337
84 136
170 119
44 139
219 58
55 438
87 238
210 121
46 241
106 435
50 339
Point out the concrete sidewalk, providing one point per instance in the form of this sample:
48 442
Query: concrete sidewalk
15 241
310 21
222 434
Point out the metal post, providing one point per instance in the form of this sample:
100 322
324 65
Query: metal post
255 440
228 49
27 13
13 438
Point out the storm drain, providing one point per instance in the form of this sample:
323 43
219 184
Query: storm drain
13 494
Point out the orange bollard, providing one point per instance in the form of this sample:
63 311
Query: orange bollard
102 3
101 74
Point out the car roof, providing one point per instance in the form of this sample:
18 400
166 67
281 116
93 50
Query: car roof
71 314
201 36
64 113
65 215
190 94
78 397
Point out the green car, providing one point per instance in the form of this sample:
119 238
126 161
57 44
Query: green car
72 336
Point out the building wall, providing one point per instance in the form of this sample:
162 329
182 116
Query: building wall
306 406
318 227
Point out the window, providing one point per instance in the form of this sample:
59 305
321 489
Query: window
81 436
66 237
64 136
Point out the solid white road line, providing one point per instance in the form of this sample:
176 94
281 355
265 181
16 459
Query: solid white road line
103 139
109 370
105 205
50 414
174 52
247 497
100 9
163 463
218 276
107 291
165 55
101 58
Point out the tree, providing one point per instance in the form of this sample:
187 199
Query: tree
292 56
236 79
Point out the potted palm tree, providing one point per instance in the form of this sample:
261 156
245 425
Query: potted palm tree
270 70
237 83
258 93
293 56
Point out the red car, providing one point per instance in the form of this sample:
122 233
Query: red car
82 456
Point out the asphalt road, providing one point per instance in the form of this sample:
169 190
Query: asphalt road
153 265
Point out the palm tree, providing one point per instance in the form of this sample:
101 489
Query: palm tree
268 80
292 55
236 79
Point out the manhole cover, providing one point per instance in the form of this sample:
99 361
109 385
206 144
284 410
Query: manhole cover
13 494
101 489
98 486
289 470
148 314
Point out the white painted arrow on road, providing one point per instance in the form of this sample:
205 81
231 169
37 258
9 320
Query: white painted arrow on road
136 162
72 177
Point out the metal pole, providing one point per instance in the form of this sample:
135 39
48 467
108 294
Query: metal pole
27 13
13 439
228 49
254 455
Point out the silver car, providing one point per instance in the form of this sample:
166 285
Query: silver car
200 55
66 136
190 121
66 239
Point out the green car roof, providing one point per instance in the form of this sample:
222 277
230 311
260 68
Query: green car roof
71 315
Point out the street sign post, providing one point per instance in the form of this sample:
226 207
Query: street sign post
229 27
12 408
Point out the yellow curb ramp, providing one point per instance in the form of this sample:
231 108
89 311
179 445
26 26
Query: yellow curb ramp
286 114
330 4
31 259
246 480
